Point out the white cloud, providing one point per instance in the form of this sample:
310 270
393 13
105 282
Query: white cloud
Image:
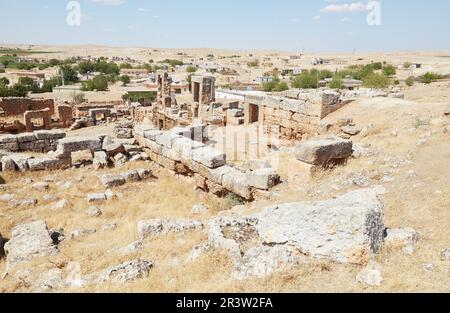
109 2
142 10
345 8
345 19
316 18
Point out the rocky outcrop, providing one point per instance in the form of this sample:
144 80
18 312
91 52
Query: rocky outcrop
347 229
153 227
28 241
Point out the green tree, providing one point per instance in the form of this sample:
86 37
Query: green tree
99 83
125 79
69 74
191 69
26 81
4 81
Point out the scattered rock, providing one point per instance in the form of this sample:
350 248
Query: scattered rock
109 226
132 248
323 150
42 186
61 204
157 226
127 272
49 197
428 267
197 251
445 254
199 209
405 239
96 197
371 275
28 241
351 130
50 281
82 232
112 180
93 211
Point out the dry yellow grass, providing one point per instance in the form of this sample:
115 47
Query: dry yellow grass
420 202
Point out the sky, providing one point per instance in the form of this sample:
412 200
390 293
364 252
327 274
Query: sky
289 25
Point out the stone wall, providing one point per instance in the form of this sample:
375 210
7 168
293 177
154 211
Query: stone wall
176 150
294 116
40 141
18 106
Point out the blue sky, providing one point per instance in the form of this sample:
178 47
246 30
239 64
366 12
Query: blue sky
293 25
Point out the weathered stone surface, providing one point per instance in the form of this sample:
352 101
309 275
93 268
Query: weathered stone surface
371 275
8 139
46 164
144 173
348 229
61 204
26 137
28 241
264 178
112 180
49 134
8 164
232 233
445 254
158 226
96 197
167 139
100 160
199 209
209 157
41 186
49 281
236 182
262 261
132 248
127 272
351 130
322 150
140 129
20 161
72 144
82 232
131 176
405 239
93 211
217 174
113 148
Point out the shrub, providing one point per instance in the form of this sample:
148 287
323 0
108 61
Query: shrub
407 65
376 81
125 79
306 80
336 83
429 77
254 63
191 69
377 66
389 70
78 98
410 81
234 199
